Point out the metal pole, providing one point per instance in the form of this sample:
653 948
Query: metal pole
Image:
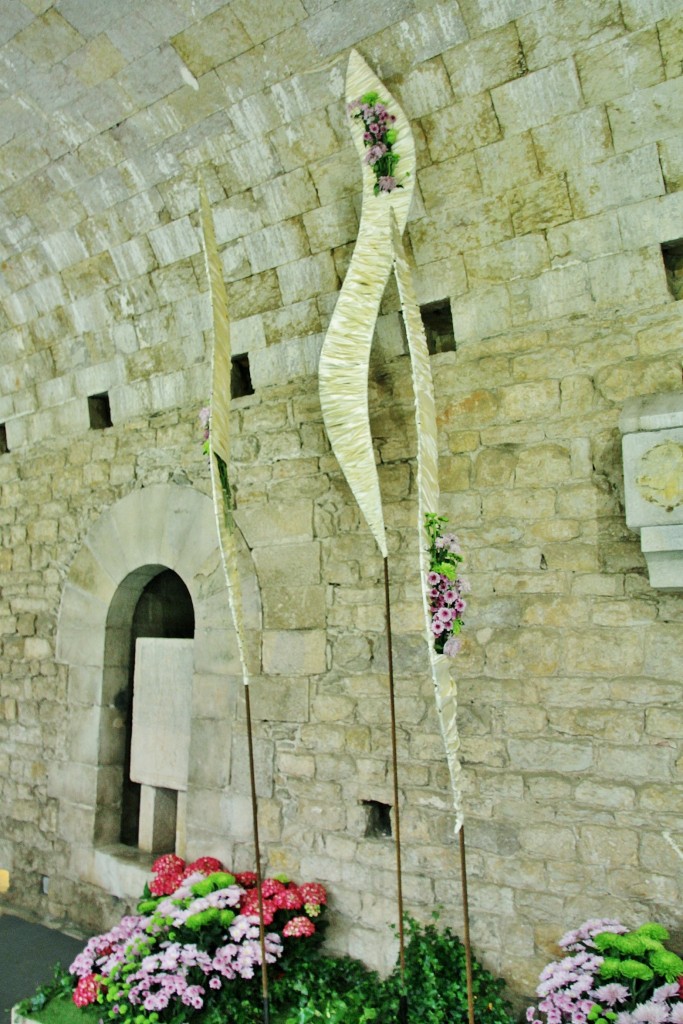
466 920
403 1012
257 850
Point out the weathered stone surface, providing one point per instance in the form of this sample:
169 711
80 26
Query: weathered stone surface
549 176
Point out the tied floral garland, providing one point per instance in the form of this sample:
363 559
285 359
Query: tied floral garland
445 588
378 138
197 930
612 977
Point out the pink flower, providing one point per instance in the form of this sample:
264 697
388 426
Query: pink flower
313 892
207 866
375 153
612 993
247 879
437 627
290 899
452 646
168 862
387 183
299 927
86 990
271 886
651 1013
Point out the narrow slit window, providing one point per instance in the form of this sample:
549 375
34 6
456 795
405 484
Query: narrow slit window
378 822
99 411
240 377
672 255
438 325
4 447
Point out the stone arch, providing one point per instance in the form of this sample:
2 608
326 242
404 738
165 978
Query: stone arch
153 529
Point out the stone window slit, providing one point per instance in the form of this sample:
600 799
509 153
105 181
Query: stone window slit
378 820
438 325
672 256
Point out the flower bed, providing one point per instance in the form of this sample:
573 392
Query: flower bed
192 955
612 976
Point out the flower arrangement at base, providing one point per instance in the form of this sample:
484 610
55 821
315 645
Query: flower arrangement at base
379 137
196 936
307 986
613 976
445 587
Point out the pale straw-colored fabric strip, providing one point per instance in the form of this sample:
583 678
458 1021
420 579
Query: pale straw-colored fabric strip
428 501
345 356
219 433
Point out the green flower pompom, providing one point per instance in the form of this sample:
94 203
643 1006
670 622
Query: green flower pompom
666 963
653 931
613 967
204 917
218 880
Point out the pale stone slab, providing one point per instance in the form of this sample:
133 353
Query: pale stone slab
160 744
654 485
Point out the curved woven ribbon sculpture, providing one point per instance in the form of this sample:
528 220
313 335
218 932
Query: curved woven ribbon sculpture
344 361
219 454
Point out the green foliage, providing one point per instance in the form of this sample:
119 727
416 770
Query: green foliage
309 988
436 982
61 984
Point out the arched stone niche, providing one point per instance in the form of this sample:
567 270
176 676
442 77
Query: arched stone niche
149 531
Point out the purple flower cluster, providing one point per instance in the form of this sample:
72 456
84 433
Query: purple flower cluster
182 971
103 952
572 990
177 955
379 136
445 588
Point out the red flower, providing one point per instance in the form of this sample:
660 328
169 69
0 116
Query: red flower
680 986
313 892
290 899
272 886
86 990
168 862
250 909
207 866
247 879
165 883
298 927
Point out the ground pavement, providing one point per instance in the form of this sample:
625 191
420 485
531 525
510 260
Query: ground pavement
28 952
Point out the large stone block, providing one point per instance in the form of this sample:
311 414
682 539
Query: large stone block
646 115
294 652
538 97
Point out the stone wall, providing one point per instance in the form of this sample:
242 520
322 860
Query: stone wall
550 171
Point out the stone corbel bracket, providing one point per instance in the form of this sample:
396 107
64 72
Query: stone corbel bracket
652 445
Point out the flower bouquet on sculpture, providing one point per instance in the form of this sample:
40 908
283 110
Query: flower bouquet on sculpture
611 975
445 587
379 136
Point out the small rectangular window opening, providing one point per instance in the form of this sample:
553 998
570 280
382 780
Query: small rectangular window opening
99 411
4 447
378 822
240 377
672 254
438 325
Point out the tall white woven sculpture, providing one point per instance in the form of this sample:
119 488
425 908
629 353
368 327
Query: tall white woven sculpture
345 357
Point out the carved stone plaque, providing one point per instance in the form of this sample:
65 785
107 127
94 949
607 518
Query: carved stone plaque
162 704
